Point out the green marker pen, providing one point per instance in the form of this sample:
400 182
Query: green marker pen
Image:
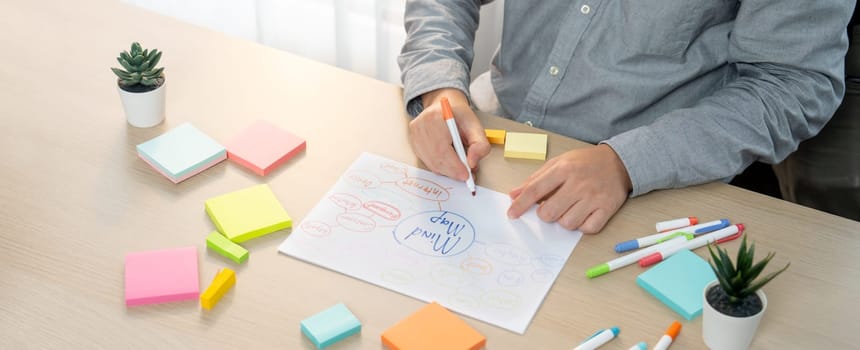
628 259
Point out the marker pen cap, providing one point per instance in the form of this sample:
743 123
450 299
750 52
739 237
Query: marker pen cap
597 270
651 259
676 223
626 245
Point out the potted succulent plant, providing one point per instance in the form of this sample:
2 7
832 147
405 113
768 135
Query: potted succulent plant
735 303
141 86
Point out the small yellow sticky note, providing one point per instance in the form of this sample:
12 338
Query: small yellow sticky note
223 281
248 213
525 145
495 136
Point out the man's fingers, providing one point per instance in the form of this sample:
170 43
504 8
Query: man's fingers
474 137
575 216
477 146
441 157
431 141
515 193
595 222
532 193
476 152
557 204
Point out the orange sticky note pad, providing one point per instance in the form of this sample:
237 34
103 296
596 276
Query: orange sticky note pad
262 147
495 136
433 327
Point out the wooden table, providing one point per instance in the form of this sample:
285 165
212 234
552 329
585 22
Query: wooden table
75 199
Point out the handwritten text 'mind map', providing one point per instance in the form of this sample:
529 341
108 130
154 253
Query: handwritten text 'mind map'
435 233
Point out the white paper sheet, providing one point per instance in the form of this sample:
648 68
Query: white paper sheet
425 236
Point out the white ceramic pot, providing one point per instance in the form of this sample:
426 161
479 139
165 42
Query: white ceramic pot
144 109
724 332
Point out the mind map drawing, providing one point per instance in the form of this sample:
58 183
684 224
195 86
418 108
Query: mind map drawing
425 236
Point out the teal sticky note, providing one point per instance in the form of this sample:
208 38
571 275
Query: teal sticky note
330 326
181 152
679 282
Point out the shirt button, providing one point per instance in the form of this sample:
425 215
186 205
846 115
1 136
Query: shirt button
585 9
553 70
529 123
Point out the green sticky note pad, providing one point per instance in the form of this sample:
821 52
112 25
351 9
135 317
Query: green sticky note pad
330 326
679 282
248 213
217 242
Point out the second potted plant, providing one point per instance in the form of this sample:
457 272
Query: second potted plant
734 303
141 86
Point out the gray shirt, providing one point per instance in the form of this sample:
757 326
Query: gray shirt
685 91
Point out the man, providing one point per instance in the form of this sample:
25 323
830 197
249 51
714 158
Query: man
824 172
674 93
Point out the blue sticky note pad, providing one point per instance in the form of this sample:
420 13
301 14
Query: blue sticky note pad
330 326
181 152
679 282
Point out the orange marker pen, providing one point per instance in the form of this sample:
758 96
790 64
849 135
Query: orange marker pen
670 336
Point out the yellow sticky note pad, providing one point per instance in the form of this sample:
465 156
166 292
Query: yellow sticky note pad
248 213
525 145
495 136
224 280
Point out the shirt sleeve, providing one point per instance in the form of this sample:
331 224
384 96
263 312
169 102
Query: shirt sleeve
439 47
787 60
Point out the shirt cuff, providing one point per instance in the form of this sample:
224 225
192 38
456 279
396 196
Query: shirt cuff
647 162
433 76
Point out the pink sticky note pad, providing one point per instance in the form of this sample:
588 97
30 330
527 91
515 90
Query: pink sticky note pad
161 276
262 147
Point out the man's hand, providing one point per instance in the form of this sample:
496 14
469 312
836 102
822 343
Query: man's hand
580 189
431 140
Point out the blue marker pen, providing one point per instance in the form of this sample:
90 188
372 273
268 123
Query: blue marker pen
598 339
659 237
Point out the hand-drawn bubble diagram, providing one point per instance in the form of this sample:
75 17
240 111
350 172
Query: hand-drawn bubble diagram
358 216
435 233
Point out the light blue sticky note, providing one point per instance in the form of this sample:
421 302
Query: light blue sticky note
679 282
330 326
182 150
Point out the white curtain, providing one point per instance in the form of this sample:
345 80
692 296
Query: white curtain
364 36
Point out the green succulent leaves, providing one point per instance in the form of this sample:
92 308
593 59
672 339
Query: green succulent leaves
139 67
738 279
